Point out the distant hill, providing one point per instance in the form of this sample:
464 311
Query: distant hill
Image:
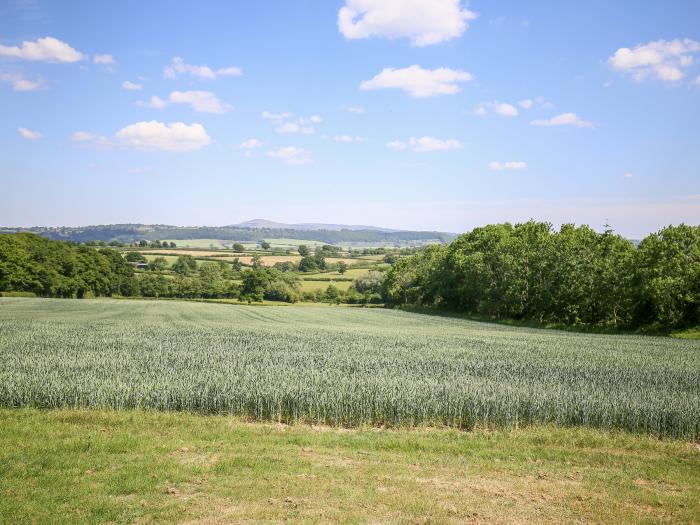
249 231
307 226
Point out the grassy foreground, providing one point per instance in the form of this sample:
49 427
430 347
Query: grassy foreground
81 466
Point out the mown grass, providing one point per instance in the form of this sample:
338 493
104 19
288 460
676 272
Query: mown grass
81 466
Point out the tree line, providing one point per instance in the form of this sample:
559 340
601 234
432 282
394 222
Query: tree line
571 276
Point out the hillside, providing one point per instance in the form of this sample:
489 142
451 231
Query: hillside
252 231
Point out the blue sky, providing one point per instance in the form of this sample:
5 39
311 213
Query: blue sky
421 114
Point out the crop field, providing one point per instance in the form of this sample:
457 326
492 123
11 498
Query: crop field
341 366
312 286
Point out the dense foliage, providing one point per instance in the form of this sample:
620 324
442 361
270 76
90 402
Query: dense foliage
30 263
341 366
573 276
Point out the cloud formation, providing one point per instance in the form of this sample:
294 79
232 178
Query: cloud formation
131 86
29 134
250 144
286 124
202 101
424 22
47 49
291 155
661 59
499 108
158 136
418 82
353 109
425 144
510 165
103 59
348 138
179 67
565 119
20 83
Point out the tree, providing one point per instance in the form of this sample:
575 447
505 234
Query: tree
158 264
143 243
184 265
238 247
265 245
370 282
173 245
304 250
342 267
257 262
137 257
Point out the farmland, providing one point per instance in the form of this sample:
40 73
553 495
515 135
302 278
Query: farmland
341 366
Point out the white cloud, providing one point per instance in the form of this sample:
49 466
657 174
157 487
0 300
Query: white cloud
628 175
291 155
425 144
353 109
424 22
293 127
540 102
178 67
526 104
275 117
20 83
511 165
91 139
29 134
396 144
499 108
418 82
131 86
140 169
565 119
250 144
285 123
158 136
660 59
433 144
47 49
104 59
348 138
696 82
154 102
202 101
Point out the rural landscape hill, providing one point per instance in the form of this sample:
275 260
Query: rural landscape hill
253 230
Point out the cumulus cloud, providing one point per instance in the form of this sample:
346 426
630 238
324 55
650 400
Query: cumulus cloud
540 102
154 102
510 165
104 59
565 119
202 101
424 22
418 82
29 134
348 138
354 109
397 145
291 155
47 49
21 83
179 67
131 86
91 140
250 144
696 82
425 144
158 136
661 59
287 124
499 108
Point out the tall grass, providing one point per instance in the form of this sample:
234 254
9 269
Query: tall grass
341 366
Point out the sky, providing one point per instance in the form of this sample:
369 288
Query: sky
414 114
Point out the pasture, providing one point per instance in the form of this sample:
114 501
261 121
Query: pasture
341 366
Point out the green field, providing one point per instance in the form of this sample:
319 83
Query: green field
341 366
312 286
95 467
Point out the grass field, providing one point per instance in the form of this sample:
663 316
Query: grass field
341 366
94 467
312 286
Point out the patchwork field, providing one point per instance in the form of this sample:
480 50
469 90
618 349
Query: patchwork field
341 366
